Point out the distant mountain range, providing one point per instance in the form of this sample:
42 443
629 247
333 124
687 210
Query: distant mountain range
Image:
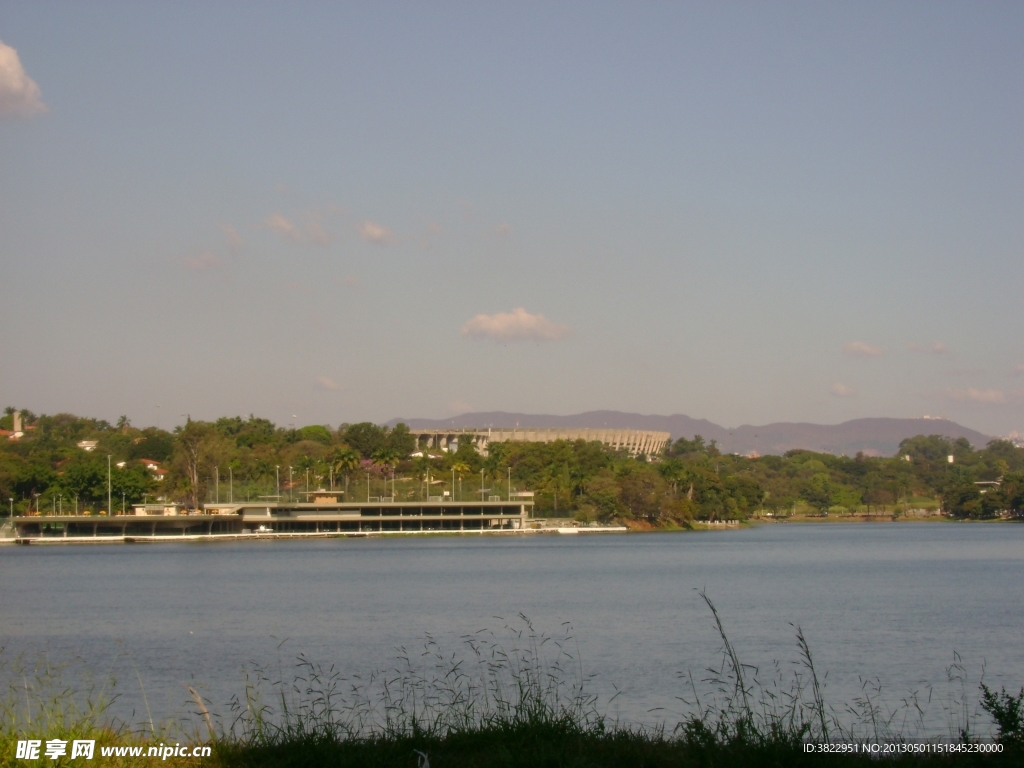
875 437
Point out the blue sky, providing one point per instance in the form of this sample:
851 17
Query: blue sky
747 212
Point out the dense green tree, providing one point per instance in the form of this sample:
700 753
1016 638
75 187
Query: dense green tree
961 497
402 441
365 437
818 492
315 433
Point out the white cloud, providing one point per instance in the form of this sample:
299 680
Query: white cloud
232 237
19 94
202 262
841 390
517 325
935 348
325 383
275 222
372 232
861 349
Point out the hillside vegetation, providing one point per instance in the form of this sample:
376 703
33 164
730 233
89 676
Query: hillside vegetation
61 463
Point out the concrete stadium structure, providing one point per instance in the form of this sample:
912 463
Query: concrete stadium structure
634 441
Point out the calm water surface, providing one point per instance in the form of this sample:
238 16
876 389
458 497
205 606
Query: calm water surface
888 601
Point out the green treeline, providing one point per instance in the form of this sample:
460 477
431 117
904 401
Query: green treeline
245 459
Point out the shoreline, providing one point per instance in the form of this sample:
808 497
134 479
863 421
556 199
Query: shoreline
565 529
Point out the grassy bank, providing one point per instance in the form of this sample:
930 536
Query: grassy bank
514 697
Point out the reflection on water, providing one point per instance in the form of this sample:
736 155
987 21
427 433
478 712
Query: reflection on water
888 601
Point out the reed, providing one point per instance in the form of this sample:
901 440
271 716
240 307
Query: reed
514 696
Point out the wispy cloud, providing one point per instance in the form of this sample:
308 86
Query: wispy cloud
517 325
234 240
372 232
326 384
19 94
983 396
202 262
841 390
305 227
861 349
275 222
935 348
503 230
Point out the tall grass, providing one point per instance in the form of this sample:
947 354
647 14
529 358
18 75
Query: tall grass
515 696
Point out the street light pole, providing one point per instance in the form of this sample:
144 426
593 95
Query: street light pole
481 486
510 483
110 505
231 485
277 474
217 482
291 490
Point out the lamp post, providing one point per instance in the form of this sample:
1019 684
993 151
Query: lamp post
510 483
290 489
110 510
367 487
453 485
481 486
11 499
277 474
216 471
231 485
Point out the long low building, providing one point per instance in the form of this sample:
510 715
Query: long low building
634 441
252 518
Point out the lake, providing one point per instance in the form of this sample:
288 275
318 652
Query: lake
893 602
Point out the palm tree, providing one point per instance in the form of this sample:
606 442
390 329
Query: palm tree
386 458
421 468
344 461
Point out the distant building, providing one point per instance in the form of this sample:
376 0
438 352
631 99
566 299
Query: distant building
88 445
633 441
